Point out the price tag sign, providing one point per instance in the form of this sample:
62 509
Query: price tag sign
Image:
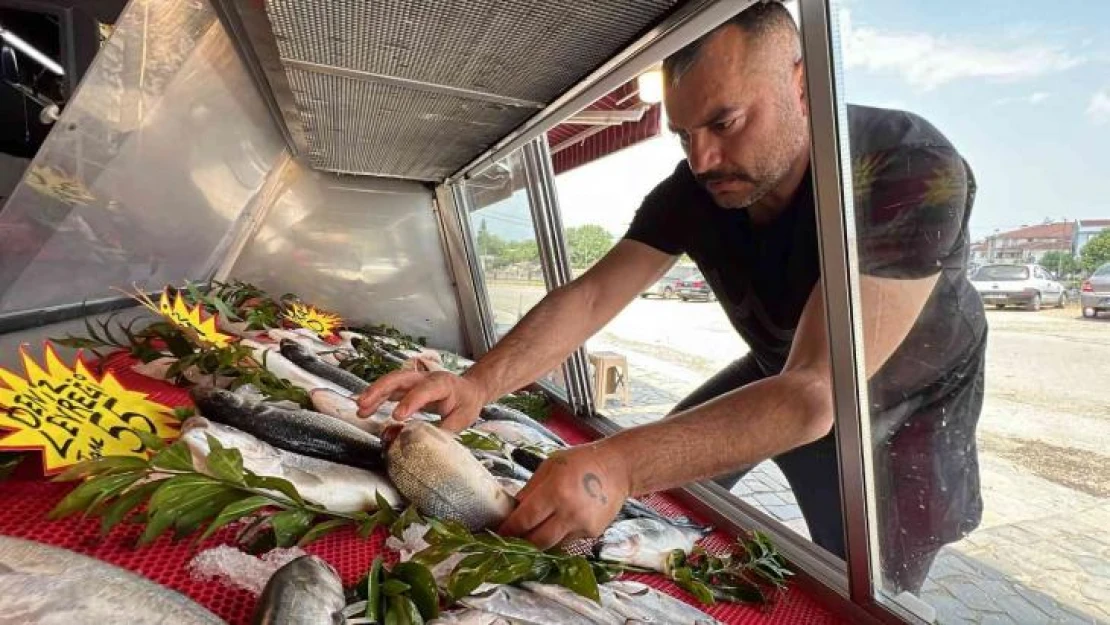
191 319
70 415
322 323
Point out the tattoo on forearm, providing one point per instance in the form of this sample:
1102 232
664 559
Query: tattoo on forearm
592 484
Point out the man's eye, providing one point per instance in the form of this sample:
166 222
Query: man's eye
724 125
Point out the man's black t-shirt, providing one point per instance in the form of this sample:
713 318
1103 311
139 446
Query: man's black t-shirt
913 194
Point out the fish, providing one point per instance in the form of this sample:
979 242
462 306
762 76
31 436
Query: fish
308 361
306 591
53 586
516 433
501 467
469 616
523 606
337 487
331 354
501 412
512 486
597 613
645 542
300 431
636 509
640 603
344 408
283 368
441 477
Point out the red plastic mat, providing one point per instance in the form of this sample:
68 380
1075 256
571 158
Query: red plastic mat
26 504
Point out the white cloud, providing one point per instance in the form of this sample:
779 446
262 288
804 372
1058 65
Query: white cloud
1099 108
1034 98
928 61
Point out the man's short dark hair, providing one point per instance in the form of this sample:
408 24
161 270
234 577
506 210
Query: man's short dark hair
759 20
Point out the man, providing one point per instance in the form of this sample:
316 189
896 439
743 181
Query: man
741 206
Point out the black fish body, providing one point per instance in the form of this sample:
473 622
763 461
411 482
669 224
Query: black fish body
308 361
299 431
306 591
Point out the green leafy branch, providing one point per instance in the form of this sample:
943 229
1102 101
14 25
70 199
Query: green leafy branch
179 497
535 405
751 572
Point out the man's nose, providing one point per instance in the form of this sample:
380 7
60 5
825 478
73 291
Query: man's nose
703 154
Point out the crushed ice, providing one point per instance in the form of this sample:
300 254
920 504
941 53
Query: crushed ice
242 570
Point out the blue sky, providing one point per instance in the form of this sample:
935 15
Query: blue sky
1021 88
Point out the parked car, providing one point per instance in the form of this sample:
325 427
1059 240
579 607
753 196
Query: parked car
1018 285
667 286
1094 297
695 287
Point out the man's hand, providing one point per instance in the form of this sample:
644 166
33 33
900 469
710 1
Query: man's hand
456 398
576 493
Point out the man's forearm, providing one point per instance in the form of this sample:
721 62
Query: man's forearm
733 431
538 343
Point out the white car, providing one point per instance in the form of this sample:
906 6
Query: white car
1029 286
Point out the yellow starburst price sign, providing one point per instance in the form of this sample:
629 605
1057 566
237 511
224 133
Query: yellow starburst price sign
190 319
70 415
323 323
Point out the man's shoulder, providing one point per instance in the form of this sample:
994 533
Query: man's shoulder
874 130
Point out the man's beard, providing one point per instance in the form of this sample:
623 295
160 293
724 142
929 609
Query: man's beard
729 199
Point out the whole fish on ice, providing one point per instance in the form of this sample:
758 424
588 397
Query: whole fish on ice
308 361
300 431
331 354
53 586
337 487
601 614
307 591
441 477
645 542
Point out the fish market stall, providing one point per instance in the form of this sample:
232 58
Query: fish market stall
247 213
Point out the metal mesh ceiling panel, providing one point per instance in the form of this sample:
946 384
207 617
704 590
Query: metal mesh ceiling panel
523 49
365 127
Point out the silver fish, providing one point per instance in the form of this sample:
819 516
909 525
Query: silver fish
270 358
331 354
308 361
300 431
337 487
640 603
523 606
517 434
440 476
306 591
345 409
501 412
645 542
469 616
52 586
571 600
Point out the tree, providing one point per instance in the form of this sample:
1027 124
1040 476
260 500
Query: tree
1062 263
1096 252
587 244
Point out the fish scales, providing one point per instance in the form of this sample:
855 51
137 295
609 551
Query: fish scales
306 591
443 479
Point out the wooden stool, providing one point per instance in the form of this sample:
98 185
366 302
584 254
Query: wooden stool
606 385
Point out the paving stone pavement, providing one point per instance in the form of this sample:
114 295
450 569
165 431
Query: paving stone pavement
1035 559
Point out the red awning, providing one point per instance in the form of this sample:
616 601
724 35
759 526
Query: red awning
575 144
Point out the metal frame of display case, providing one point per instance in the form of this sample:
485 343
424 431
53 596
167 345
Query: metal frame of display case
850 585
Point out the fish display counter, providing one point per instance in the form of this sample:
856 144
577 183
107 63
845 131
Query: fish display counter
28 502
